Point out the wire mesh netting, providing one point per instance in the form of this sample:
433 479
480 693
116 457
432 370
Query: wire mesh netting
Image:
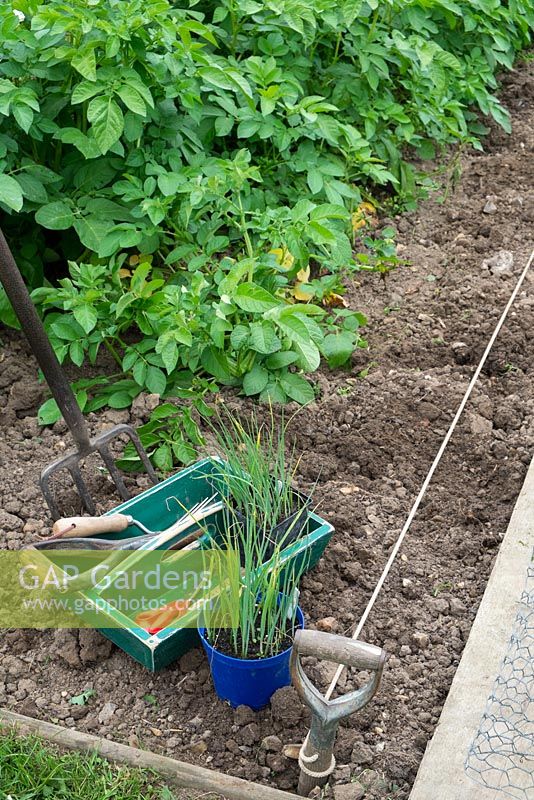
502 754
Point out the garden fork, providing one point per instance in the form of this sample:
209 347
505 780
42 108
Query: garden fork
32 326
316 759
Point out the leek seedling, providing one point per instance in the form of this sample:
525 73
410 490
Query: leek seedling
260 597
257 599
257 478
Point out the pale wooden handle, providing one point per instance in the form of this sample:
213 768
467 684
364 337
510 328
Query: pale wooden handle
89 526
340 649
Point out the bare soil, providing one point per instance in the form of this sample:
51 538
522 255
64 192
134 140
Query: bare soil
368 442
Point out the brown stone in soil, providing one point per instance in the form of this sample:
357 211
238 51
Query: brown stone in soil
349 791
272 744
244 715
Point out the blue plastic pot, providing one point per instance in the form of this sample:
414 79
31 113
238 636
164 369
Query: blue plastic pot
246 681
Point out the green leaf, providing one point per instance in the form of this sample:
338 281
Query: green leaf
76 353
263 337
253 298
501 116
133 126
123 302
55 216
164 411
32 188
24 117
85 63
216 363
169 354
256 380
223 125
294 327
119 399
162 458
309 356
155 381
183 335
315 181
7 314
107 122
67 329
113 45
82 699
239 336
120 237
320 234
306 309
139 371
130 357
87 147
235 275
169 183
197 27
81 395
11 193
220 14
350 10
132 99
91 231
297 388
85 90
183 452
273 393
298 332
216 77
218 329
48 413
248 128
191 428
279 360
86 316
141 88
329 211
337 348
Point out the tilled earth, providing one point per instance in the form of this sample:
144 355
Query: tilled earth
368 442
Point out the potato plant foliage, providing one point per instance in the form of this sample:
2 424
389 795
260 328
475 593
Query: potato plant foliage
177 179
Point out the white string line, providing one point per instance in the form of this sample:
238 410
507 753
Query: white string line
431 471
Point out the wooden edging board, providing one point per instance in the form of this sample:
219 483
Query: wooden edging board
442 774
180 773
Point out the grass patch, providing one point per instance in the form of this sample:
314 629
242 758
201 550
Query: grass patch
31 769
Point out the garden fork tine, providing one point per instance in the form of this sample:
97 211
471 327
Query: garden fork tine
70 462
32 326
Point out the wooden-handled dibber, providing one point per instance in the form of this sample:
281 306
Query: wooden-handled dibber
316 759
91 526
116 523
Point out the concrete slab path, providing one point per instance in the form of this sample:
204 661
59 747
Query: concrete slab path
496 740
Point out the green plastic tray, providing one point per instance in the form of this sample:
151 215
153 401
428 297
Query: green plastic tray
189 486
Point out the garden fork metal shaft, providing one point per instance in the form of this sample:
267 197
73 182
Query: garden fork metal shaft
32 326
316 758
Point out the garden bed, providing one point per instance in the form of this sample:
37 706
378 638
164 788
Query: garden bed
369 443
